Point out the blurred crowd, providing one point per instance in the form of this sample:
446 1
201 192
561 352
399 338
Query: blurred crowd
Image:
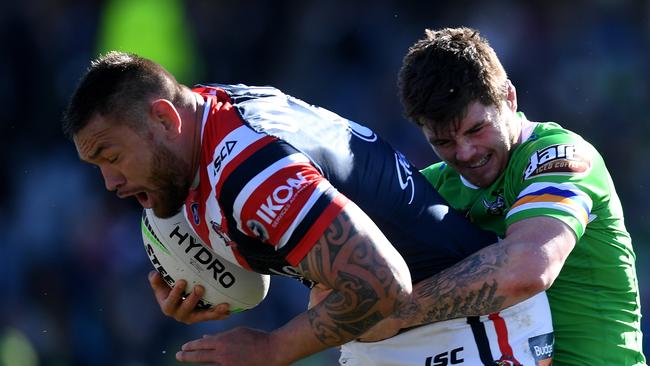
75 289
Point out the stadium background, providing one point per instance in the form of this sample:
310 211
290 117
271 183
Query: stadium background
74 288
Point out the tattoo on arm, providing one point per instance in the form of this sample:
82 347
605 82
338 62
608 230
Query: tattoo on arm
466 289
344 261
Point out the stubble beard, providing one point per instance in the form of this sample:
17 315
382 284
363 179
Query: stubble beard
172 178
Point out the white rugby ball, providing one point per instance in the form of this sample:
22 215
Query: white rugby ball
177 253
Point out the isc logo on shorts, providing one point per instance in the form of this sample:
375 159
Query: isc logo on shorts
452 357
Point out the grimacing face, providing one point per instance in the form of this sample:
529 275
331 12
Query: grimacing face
135 164
479 149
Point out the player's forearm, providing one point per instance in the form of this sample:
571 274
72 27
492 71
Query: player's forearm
485 282
338 319
523 264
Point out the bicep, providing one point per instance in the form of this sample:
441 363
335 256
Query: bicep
353 253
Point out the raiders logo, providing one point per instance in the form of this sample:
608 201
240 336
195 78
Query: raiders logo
556 159
496 207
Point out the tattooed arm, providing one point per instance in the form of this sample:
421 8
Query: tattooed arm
369 281
525 263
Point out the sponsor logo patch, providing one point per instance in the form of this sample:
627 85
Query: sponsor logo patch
278 201
195 213
221 153
542 349
258 229
452 357
557 159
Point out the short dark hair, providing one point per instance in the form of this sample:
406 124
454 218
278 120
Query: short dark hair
444 72
120 84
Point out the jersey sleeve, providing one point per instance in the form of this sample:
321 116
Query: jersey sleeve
558 176
288 205
277 196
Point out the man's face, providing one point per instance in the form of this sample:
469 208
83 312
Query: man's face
479 148
137 164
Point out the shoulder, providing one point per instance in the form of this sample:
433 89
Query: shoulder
553 150
438 174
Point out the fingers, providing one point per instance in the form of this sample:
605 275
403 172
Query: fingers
160 288
199 350
184 310
187 305
219 312
202 356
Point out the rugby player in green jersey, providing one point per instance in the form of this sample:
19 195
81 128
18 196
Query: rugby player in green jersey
542 188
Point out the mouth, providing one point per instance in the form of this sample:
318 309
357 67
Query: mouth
143 198
479 163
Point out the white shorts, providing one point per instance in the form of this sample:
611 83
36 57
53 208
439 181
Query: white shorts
519 335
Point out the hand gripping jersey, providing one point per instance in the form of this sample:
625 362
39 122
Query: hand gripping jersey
595 299
275 171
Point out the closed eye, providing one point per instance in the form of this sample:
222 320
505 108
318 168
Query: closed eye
475 129
440 143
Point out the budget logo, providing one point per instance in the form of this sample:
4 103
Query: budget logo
542 349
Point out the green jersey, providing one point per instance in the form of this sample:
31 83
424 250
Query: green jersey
595 299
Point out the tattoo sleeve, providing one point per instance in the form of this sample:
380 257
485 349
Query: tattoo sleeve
367 285
470 287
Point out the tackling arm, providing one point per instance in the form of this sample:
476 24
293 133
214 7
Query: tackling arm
525 263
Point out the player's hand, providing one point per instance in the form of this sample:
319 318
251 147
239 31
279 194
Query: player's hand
237 347
184 310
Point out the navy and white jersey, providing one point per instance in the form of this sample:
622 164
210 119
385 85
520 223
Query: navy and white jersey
275 171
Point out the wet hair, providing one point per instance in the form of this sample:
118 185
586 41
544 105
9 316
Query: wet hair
444 72
120 85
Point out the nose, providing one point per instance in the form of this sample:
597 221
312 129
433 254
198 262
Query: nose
465 151
113 179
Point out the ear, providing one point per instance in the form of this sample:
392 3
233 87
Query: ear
164 113
511 96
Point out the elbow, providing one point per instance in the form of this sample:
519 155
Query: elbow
400 293
529 277
529 282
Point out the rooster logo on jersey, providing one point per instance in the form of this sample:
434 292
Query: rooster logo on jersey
222 234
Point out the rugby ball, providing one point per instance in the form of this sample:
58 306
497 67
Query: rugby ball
177 253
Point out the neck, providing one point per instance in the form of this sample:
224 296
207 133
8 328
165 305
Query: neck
196 140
